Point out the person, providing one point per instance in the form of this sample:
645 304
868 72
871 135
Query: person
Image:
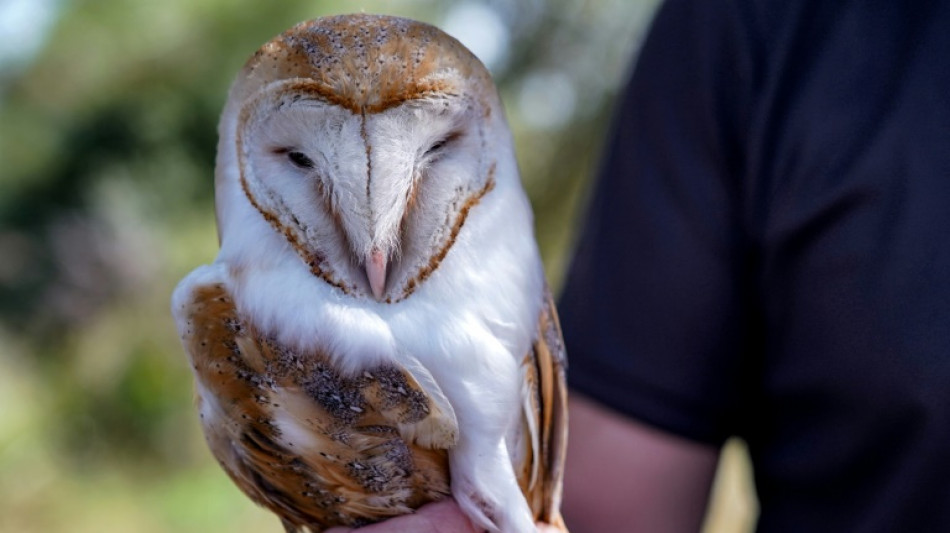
767 255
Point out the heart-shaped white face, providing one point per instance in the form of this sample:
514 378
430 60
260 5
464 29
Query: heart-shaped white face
364 142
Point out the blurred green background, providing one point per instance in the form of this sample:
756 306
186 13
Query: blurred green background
108 114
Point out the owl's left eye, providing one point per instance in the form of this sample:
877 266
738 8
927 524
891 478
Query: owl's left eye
436 147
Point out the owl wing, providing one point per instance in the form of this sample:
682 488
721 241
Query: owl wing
316 447
544 397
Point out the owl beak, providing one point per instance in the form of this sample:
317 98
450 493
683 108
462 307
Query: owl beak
376 272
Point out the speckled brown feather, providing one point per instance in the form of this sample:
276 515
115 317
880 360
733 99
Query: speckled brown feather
364 63
354 466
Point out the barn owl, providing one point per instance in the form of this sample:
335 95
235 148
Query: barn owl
375 332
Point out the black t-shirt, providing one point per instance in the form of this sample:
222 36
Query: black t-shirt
767 253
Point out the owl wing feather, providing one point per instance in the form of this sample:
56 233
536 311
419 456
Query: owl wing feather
321 449
318 448
545 417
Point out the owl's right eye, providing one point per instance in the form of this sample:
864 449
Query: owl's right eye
298 159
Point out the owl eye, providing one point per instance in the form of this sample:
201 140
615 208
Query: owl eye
438 145
299 159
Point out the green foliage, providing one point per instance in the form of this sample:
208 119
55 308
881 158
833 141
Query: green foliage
107 142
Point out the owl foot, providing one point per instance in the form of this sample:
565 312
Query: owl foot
493 513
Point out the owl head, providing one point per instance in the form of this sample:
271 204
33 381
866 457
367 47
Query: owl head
356 146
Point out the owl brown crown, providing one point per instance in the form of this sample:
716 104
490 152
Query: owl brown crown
365 63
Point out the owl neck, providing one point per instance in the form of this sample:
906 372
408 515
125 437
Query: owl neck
491 275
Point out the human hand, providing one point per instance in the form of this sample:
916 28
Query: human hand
440 517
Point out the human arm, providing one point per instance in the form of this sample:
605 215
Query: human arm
659 308
625 476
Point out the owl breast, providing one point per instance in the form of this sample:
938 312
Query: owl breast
317 447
